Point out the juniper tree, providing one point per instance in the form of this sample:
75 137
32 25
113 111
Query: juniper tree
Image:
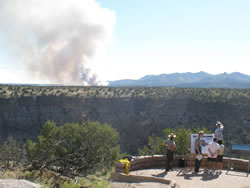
73 149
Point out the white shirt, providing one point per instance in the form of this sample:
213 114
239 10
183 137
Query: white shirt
213 147
218 133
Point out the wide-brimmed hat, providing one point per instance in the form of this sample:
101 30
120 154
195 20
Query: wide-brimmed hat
201 132
172 135
219 124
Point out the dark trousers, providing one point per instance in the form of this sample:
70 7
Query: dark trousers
170 156
197 163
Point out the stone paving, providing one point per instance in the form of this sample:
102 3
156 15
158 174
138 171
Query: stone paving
137 185
187 179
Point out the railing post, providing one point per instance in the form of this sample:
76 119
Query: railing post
248 165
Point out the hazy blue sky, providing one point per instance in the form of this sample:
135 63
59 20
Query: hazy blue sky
166 36
163 36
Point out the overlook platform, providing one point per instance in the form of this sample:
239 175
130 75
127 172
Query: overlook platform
150 172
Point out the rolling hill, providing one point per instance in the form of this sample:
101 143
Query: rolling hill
188 80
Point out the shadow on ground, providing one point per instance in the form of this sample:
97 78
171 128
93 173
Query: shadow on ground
163 174
205 176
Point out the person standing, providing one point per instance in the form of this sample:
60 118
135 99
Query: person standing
213 149
170 146
198 151
218 133
220 156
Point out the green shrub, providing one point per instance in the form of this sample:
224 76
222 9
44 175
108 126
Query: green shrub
74 149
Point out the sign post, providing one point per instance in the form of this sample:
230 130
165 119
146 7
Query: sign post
239 149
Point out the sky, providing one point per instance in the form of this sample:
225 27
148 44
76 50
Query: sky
151 37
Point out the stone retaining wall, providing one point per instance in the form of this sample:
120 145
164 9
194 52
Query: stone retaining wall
159 161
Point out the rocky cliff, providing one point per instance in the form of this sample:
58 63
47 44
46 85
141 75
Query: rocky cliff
136 113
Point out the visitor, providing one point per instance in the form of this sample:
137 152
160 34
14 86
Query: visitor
198 152
170 146
220 156
219 131
213 149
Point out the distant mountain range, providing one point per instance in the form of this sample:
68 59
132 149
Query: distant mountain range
188 80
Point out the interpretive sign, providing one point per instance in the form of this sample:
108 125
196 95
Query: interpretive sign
205 140
239 149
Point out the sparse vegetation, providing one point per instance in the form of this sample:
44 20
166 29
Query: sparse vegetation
197 94
49 179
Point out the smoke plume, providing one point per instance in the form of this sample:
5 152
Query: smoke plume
55 39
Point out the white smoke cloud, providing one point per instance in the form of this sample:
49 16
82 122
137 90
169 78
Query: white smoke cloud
55 38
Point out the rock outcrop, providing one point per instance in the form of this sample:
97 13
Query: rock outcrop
12 183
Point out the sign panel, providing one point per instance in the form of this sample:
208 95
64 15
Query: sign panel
205 140
240 148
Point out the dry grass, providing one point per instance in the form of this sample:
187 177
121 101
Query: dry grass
49 179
